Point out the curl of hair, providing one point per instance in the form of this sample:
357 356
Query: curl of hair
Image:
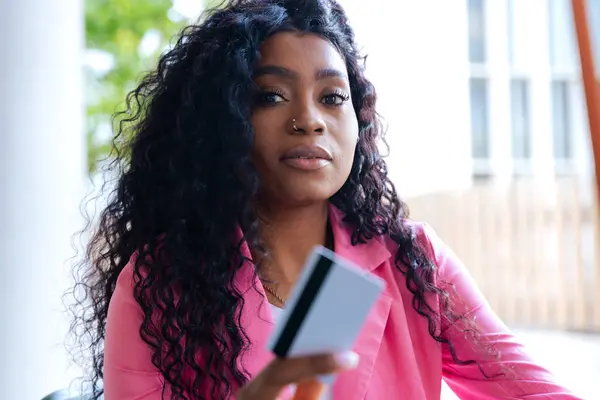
185 182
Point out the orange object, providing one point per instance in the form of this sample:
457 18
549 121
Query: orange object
588 72
310 390
592 97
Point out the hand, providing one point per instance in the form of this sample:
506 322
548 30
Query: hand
271 381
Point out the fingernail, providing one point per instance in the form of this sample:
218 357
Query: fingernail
347 359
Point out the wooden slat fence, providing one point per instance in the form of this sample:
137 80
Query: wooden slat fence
532 247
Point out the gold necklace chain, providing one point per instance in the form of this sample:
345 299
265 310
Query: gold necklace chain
274 293
329 244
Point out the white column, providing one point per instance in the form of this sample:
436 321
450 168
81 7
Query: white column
583 155
42 178
535 31
418 63
498 68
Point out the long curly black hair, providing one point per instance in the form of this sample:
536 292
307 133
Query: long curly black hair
185 182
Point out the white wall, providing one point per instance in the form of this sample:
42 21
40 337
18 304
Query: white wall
42 175
418 63
542 50
531 60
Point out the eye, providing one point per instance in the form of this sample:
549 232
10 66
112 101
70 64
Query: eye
269 97
336 98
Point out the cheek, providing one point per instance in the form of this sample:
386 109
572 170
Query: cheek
348 147
262 141
264 153
349 157
259 155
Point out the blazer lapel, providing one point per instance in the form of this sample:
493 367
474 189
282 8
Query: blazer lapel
255 315
353 385
257 319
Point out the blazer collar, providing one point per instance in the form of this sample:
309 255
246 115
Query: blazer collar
257 319
368 255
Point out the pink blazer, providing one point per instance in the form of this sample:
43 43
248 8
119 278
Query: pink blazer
399 359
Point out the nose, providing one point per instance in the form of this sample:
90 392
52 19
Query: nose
308 122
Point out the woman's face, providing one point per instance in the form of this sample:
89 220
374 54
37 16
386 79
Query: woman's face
305 125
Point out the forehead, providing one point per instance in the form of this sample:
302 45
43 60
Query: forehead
300 52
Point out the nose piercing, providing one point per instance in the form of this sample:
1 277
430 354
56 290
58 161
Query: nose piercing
294 127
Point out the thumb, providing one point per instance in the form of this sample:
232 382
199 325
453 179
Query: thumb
309 390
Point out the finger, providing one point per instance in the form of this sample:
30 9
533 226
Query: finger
309 390
282 372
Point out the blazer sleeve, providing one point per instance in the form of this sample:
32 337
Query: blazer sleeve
510 373
128 370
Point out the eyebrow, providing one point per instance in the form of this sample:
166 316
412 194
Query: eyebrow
282 72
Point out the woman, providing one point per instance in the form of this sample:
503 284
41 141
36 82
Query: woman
254 140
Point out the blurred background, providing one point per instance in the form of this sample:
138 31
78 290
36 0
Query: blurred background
489 143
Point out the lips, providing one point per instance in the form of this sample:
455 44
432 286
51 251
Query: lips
307 152
307 157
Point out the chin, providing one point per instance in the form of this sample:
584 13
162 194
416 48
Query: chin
302 196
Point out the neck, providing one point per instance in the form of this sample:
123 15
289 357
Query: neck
289 235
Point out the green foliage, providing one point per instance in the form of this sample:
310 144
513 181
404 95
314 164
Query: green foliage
117 28
212 4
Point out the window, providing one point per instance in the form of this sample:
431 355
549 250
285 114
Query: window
522 43
511 31
563 41
520 124
477 36
480 135
478 90
561 124
593 7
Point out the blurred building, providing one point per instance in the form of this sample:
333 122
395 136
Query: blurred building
478 89
528 114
